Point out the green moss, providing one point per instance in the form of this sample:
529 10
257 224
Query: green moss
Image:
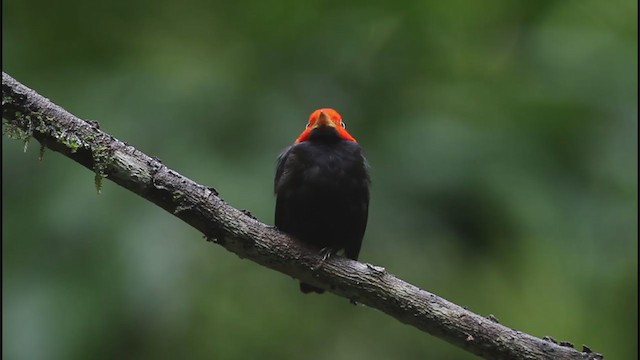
13 129
7 100
21 127
41 125
72 142
14 132
98 181
101 161
41 155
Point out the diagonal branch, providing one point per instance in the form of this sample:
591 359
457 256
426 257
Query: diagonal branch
27 114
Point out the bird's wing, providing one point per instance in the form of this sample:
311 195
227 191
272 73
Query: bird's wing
281 177
282 159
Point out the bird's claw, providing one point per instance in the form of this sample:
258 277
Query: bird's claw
326 254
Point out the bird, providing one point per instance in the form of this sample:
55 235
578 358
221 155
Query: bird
322 189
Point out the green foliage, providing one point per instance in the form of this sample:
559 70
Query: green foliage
502 139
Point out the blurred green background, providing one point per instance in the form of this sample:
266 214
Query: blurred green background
502 138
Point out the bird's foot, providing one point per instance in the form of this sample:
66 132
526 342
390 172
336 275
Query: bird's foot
326 254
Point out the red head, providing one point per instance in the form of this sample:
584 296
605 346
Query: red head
325 117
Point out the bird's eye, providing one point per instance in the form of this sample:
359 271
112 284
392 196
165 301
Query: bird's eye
307 125
343 124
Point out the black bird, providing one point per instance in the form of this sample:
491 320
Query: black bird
322 188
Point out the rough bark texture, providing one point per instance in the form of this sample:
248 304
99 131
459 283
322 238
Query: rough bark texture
27 114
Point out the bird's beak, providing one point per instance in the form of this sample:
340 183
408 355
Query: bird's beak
324 120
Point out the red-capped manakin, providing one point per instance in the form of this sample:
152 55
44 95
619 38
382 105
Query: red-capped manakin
322 188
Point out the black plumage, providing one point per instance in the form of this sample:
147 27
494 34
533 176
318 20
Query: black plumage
322 189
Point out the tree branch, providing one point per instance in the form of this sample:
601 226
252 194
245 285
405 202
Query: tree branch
27 114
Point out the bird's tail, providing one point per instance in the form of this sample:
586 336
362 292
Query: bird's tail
306 288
